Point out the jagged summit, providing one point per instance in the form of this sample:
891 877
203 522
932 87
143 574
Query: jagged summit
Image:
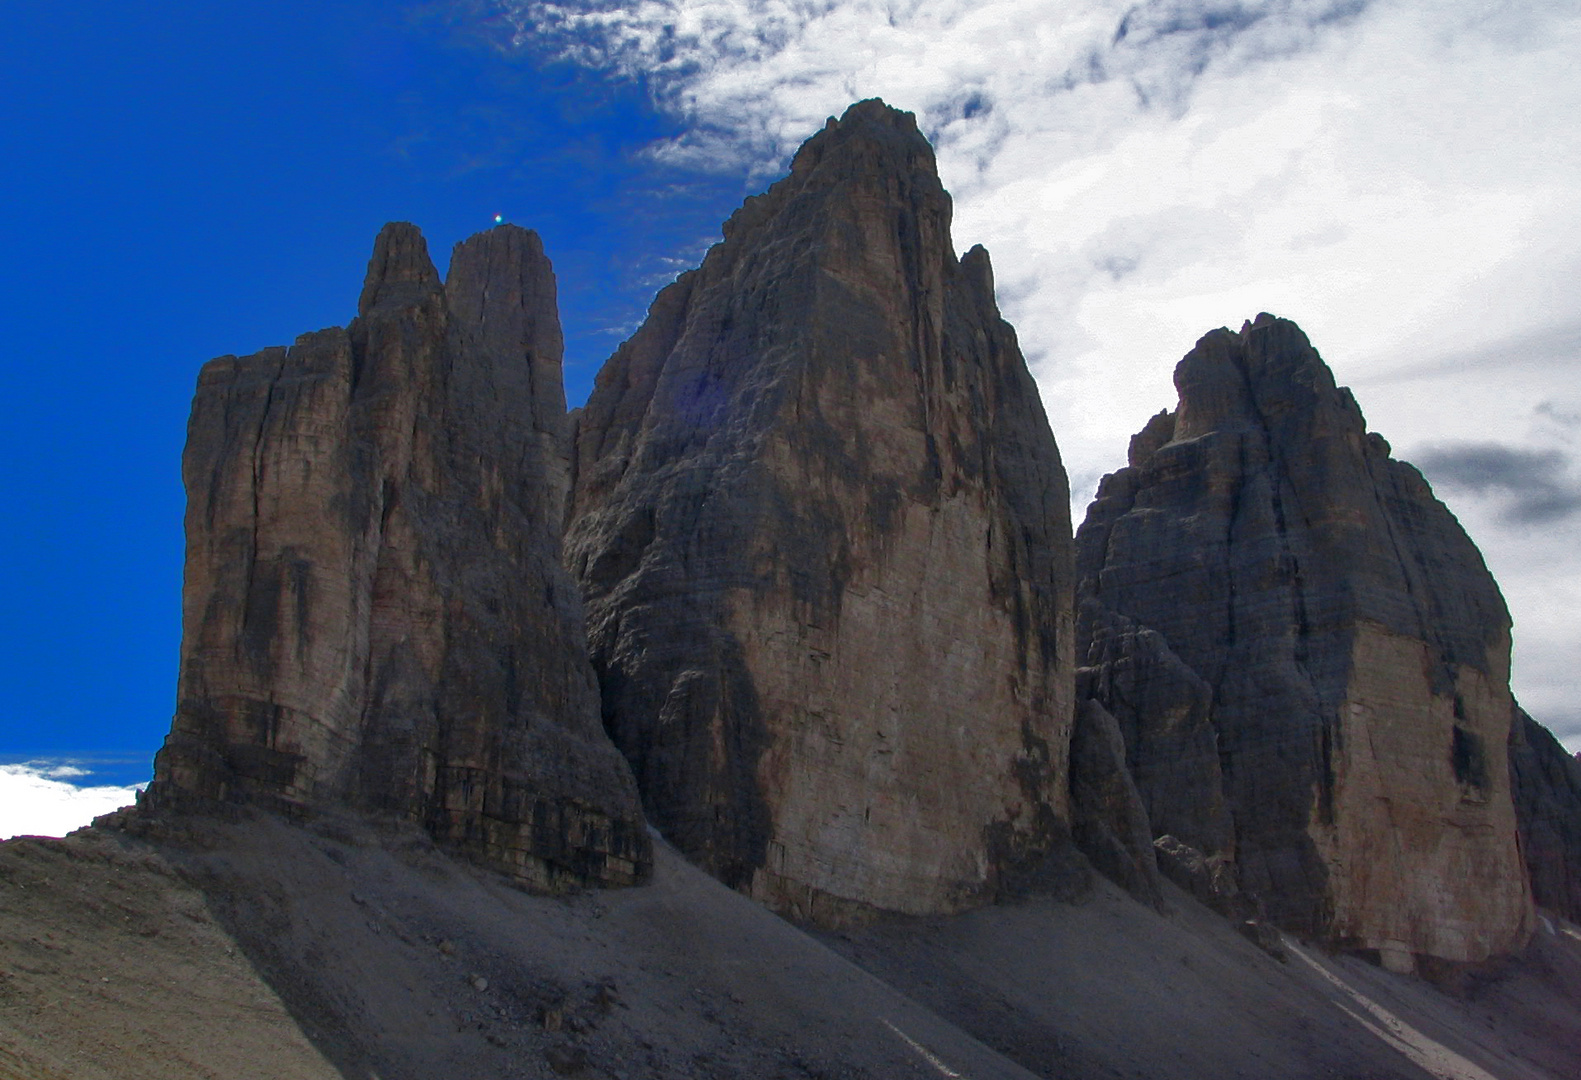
869 131
820 521
870 140
375 615
400 271
1307 658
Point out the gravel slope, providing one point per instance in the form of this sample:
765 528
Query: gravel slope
259 948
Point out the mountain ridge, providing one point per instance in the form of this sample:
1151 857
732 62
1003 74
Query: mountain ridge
798 595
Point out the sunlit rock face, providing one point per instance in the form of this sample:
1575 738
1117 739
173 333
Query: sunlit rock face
822 529
1307 659
375 613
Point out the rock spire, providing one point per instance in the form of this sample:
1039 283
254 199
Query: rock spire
1307 659
375 613
822 529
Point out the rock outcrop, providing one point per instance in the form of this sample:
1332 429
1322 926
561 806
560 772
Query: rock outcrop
1108 819
1546 782
1307 659
375 613
822 530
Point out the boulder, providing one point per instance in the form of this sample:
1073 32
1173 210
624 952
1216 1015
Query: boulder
1209 878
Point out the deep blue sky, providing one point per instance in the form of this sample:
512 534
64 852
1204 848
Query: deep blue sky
184 180
181 180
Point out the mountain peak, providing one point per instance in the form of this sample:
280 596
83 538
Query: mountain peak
400 270
872 132
1293 635
826 417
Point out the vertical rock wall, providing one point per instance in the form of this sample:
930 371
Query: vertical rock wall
1307 658
1546 781
375 612
822 529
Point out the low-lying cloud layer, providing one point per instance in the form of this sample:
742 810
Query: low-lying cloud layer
1398 177
40 798
1535 483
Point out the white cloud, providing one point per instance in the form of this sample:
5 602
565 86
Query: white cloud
37 800
1398 176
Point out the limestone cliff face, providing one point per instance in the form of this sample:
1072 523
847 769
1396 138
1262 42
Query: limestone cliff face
821 525
375 612
1546 781
1307 658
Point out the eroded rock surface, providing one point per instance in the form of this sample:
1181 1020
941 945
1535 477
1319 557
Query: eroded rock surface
375 613
1108 821
1546 781
1308 659
821 525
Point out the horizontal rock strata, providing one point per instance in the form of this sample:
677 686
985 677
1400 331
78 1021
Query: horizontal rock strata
822 529
375 613
1307 659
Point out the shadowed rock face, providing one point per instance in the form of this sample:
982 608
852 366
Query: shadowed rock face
821 527
1307 659
1546 781
1108 818
374 612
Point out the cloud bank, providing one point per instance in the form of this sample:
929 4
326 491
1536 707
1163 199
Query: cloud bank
39 798
1398 176
1534 482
